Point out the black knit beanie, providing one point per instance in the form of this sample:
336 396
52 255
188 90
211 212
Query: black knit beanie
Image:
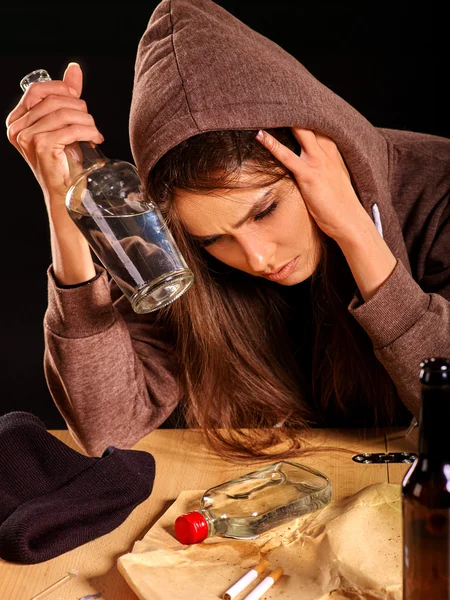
53 499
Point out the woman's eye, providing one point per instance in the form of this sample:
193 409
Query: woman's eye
209 241
265 212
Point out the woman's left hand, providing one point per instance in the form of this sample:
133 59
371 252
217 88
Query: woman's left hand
324 183
327 191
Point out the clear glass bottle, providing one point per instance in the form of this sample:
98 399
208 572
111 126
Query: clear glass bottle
426 492
250 505
126 231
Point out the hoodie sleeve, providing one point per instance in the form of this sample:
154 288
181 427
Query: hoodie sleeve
108 370
408 321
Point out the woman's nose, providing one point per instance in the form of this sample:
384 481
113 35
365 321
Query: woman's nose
258 253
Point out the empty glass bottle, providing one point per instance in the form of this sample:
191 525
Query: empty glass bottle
123 227
250 505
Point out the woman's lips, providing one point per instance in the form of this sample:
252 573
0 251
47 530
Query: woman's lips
284 271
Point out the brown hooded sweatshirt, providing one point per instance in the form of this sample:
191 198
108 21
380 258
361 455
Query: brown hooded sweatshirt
199 69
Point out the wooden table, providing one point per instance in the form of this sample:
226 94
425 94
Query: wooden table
182 462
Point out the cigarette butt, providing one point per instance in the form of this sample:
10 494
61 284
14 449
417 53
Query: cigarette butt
261 567
245 580
276 574
265 584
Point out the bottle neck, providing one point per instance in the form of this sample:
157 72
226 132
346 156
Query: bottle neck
82 157
435 423
216 526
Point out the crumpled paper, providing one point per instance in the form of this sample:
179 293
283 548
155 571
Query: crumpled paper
349 550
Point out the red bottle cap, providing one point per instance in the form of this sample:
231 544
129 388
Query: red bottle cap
191 528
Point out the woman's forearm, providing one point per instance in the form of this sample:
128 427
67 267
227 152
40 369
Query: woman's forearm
71 255
369 258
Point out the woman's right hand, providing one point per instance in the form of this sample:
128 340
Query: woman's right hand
49 116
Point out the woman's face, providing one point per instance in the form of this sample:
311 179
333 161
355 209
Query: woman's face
264 231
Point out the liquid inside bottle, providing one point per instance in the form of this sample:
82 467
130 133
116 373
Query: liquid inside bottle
128 234
250 505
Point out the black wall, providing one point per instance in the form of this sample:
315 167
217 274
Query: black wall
390 65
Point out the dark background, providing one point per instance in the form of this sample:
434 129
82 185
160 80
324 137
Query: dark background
390 63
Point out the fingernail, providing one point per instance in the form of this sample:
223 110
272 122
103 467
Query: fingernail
73 91
260 135
73 63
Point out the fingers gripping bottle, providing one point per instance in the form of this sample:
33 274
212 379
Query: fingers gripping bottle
124 228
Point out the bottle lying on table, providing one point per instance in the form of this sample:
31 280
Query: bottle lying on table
250 505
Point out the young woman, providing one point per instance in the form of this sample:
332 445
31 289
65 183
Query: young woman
319 248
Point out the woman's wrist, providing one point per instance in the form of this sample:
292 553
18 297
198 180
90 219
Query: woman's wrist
369 258
71 254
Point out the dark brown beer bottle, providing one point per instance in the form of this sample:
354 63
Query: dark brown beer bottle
426 492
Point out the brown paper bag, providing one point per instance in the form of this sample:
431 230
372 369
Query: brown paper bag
349 550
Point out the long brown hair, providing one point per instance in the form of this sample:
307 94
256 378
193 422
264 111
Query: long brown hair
241 372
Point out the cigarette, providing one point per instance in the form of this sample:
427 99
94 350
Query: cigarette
245 580
56 585
265 584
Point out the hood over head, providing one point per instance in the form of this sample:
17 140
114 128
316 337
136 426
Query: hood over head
198 69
